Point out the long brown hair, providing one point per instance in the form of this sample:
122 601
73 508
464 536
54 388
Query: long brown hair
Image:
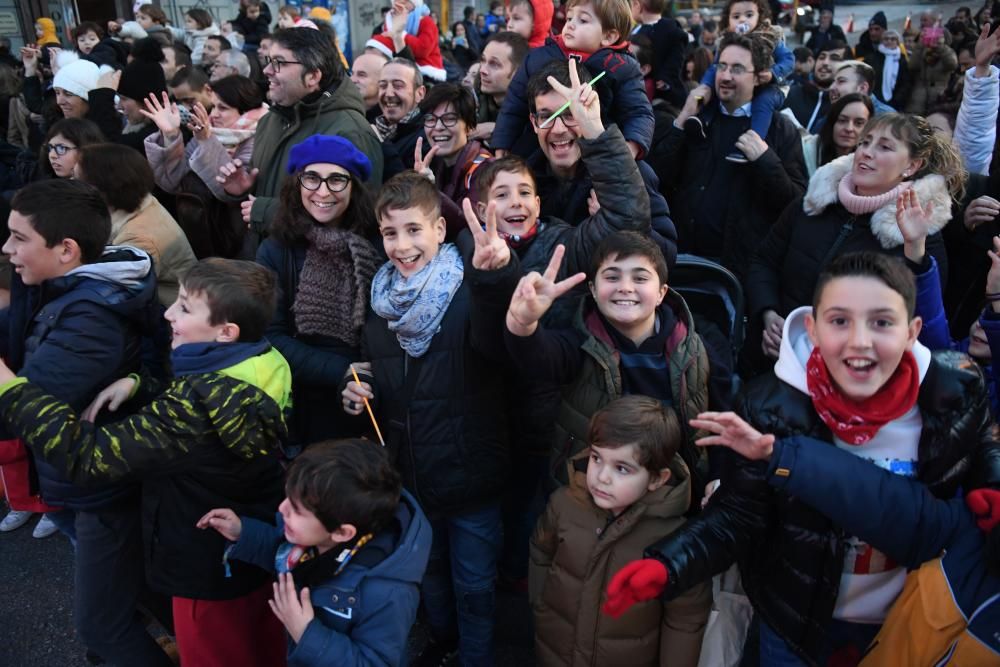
293 222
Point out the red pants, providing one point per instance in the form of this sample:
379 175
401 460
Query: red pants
229 633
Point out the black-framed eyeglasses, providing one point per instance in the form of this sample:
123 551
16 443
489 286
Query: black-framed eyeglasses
334 182
277 63
60 149
735 70
566 117
447 119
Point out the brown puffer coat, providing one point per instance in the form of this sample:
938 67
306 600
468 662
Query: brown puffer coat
930 68
577 548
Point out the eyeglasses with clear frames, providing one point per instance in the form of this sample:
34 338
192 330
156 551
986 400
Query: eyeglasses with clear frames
334 182
447 119
60 149
735 70
277 63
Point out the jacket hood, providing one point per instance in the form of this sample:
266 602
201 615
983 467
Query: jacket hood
588 321
543 10
122 265
796 348
670 500
932 188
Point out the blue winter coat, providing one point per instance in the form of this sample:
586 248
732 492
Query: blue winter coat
364 614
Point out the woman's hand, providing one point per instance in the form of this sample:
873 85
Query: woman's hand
421 162
981 210
492 252
166 116
987 47
914 222
29 57
224 521
236 180
729 430
354 396
112 396
535 294
201 124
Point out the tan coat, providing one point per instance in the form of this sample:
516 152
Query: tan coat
576 550
153 229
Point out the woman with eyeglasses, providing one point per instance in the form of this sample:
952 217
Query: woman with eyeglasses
321 250
61 150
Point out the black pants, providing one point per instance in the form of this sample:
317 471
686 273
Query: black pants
109 580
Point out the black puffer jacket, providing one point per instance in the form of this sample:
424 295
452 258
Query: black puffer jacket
790 555
450 437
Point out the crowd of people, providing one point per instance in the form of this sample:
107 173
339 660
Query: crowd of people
301 348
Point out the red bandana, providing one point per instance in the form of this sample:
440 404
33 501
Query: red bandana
857 422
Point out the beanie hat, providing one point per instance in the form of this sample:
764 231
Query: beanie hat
879 19
133 30
321 13
144 75
77 76
325 149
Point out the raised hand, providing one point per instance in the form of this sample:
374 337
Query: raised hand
110 79
584 104
398 16
535 294
987 47
492 252
112 396
421 162
54 52
224 521
235 179
729 430
29 57
201 124
914 222
295 611
165 115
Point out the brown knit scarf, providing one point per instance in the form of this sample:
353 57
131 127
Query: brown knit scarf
332 299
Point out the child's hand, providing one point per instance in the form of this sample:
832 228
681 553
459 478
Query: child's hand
584 104
535 294
354 396
751 145
235 179
294 611
914 222
224 521
113 396
638 581
492 252
731 431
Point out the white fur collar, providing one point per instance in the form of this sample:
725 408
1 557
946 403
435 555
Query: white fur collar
931 188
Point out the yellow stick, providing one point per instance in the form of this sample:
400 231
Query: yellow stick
368 406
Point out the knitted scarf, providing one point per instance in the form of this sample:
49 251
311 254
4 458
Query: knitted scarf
331 299
890 70
861 204
857 422
386 129
244 128
415 306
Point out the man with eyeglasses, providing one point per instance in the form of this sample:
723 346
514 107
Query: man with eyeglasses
722 208
309 94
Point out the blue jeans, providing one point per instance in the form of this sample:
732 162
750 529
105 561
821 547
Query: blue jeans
774 652
458 587
65 521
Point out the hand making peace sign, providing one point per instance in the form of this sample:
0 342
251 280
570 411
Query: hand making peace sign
492 252
584 104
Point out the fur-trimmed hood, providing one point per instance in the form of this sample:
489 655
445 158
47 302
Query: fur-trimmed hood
822 192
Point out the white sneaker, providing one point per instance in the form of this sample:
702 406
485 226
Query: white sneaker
44 528
14 520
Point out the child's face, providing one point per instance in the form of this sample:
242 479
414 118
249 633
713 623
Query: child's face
253 12
303 528
583 32
862 330
627 291
189 318
520 20
87 41
411 238
616 480
145 21
979 345
743 13
190 23
517 204
285 21
29 255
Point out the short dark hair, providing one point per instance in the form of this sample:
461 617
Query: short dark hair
490 169
347 481
200 16
622 245
194 77
654 6
539 84
460 97
121 174
237 291
891 271
315 51
224 44
836 45
760 45
85 27
63 208
802 54
239 92
709 25
182 54
613 14
518 46
80 131
643 49
418 76
641 421
408 189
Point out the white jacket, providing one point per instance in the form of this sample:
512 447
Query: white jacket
976 125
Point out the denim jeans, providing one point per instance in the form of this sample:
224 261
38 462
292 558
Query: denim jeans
65 521
840 636
458 587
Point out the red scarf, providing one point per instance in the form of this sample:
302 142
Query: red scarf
857 422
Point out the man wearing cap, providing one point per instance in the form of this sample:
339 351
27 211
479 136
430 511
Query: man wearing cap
309 95
868 42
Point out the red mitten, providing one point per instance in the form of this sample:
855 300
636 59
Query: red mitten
985 505
638 581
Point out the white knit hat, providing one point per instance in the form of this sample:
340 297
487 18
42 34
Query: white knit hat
78 77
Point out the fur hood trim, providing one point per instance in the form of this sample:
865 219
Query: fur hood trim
822 192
